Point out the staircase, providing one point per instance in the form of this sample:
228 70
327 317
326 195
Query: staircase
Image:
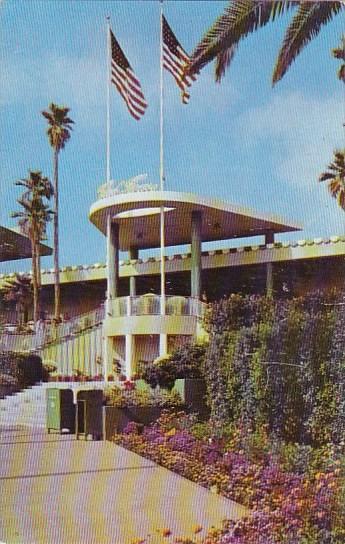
75 345
28 407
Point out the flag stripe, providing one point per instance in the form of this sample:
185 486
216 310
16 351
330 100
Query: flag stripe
132 107
125 81
129 100
175 60
132 91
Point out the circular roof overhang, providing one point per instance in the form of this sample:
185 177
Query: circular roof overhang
136 214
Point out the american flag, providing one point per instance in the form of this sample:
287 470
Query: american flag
126 81
175 60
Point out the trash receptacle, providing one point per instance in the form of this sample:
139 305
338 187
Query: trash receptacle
89 416
60 410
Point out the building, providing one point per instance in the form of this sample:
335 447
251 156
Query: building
137 324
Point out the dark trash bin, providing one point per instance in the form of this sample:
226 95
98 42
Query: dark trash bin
89 415
60 410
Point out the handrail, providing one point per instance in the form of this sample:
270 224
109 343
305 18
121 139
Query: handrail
46 333
151 304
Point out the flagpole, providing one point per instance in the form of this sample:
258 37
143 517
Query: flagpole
163 339
108 308
108 98
161 165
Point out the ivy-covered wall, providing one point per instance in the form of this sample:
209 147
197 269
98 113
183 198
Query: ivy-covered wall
279 363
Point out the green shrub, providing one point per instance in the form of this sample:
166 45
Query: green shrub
280 363
121 398
186 362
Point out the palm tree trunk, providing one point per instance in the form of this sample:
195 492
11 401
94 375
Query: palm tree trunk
38 264
34 279
56 239
39 279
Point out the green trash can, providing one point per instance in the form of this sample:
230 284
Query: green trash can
89 416
60 410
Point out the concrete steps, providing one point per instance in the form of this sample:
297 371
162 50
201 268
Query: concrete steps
28 407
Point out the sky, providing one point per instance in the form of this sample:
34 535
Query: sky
241 141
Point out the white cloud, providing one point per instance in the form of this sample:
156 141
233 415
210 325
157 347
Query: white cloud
303 131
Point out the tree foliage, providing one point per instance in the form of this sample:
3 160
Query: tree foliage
32 220
335 177
243 17
18 290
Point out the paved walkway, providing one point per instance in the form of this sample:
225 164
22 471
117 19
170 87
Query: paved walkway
54 489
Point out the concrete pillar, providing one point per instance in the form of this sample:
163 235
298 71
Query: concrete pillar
196 254
269 239
163 345
129 357
133 254
112 260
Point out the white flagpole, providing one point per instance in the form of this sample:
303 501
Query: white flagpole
106 355
108 97
161 169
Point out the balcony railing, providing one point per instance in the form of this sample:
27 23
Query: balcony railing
151 304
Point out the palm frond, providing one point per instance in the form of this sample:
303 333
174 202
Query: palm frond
59 125
240 18
334 187
339 52
305 25
341 198
223 61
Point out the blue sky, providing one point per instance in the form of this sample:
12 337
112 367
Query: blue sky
240 141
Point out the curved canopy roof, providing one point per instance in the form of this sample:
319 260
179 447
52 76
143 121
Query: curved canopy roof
14 245
138 215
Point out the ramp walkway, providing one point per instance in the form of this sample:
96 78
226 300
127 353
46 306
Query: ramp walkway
58 490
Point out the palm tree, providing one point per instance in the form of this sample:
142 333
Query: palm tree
339 53
32 220
58 131
40 187
19 291
242 17
335 176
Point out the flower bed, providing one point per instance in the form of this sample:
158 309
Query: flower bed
289 507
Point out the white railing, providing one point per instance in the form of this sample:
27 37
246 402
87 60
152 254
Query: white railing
46 331
151 304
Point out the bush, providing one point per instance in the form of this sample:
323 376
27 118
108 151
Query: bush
186 362
161 372
26 370
121 398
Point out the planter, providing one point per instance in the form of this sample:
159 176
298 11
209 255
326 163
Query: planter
116 419
193 394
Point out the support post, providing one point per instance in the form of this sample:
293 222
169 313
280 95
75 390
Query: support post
133 254
112 262
163 345
269 239
112 284
129 355
196 254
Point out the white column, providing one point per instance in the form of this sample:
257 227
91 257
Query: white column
133 255
112 261
269 239
129 355
163 345
112 285
196 254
